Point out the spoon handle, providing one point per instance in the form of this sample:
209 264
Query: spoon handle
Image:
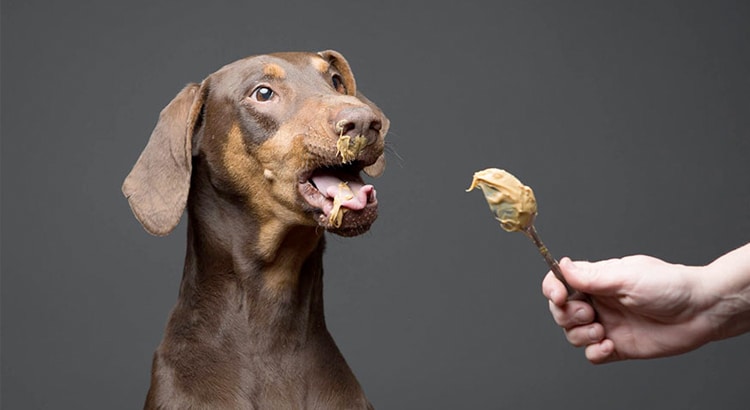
573 294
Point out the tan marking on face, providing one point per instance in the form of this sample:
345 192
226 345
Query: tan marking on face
237 163
274 70
248 176
320 64
267 180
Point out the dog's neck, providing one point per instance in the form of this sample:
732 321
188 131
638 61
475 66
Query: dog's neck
270 295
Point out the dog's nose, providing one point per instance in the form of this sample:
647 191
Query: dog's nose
356 121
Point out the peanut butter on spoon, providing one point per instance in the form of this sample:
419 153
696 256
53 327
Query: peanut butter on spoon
512 202
514 205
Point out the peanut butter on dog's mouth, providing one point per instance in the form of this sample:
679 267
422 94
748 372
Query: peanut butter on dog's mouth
512 202
337 213
347 146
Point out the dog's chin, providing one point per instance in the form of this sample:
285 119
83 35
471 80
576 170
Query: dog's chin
353 222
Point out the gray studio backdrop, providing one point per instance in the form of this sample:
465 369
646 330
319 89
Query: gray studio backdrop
631 120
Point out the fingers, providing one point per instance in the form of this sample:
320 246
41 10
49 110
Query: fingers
585 335
554 290
602 352
571 314
576 316
566 313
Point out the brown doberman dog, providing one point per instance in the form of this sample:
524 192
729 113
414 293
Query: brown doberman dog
266 154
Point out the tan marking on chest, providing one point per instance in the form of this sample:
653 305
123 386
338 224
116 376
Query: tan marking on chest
293 247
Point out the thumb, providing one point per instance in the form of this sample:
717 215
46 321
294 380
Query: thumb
587 277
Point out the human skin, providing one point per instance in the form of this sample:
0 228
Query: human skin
644 307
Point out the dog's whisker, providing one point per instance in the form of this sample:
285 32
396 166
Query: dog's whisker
391 151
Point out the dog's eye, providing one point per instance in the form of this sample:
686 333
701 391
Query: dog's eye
262 94
338 84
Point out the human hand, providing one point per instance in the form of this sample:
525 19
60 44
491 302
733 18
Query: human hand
645 308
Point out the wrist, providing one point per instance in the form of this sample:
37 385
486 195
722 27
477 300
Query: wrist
727 288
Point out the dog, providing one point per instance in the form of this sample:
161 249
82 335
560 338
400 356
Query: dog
266 155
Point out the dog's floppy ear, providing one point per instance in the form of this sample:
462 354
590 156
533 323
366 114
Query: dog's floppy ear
158 185
339 62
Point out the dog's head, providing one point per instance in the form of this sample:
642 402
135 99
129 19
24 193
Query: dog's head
287 135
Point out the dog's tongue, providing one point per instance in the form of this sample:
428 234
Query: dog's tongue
330 186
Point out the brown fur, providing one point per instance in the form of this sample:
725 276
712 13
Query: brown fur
248 330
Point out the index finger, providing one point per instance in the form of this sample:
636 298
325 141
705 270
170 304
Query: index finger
554 290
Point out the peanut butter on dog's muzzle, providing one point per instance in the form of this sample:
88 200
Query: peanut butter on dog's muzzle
348 147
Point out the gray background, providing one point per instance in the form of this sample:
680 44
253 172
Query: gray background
629 119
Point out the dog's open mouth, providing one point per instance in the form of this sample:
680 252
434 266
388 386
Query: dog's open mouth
344 203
